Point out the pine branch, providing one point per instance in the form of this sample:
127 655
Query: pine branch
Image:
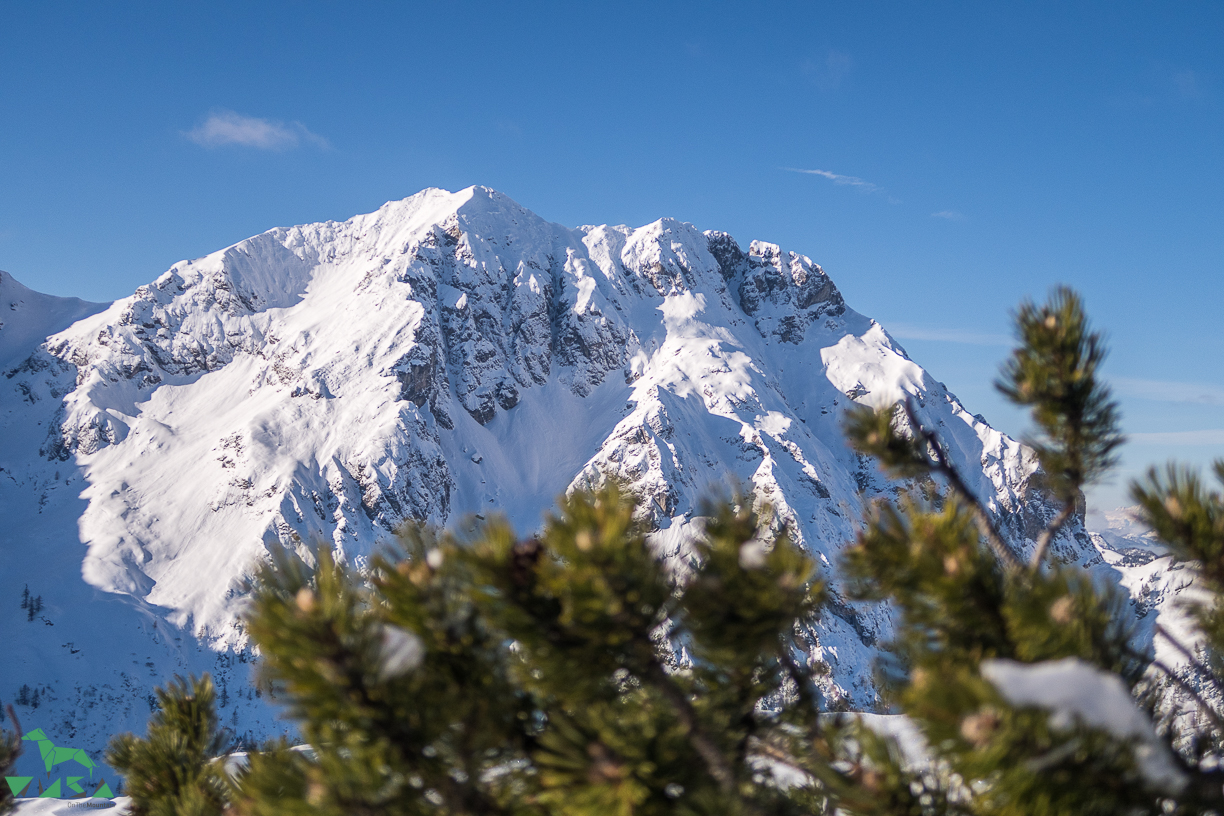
705 747
819 742
715 762
941 465
748 721
1208 786
461 797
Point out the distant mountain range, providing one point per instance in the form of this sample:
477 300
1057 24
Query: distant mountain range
447 357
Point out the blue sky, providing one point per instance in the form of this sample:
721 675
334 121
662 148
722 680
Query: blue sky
969 155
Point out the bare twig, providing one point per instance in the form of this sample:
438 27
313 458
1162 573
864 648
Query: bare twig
1193 692
1186 653
16 724
764 750
1047 535
796 675
806 699
944 467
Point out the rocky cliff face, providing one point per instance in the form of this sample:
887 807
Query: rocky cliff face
449 356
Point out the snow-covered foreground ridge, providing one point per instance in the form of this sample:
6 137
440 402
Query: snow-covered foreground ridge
449 354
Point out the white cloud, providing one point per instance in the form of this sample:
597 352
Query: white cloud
1211 436
903 331
948 215
228 128
1168 391
837 178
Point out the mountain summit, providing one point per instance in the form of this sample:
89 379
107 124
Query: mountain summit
447 357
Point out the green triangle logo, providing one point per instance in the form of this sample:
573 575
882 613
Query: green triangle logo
52 792
104 792
18 784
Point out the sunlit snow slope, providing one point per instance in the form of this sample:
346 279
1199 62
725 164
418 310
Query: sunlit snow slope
447 355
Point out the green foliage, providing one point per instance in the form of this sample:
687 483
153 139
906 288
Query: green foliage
961 601
1187 516
882 435
958 605
931 564
273 783
745 593
567 673
173 771
575 673
1054 371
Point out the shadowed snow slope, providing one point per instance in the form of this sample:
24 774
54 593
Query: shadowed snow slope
447 355
27 318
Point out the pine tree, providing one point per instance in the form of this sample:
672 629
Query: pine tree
174 771
500 675
978 620
575 673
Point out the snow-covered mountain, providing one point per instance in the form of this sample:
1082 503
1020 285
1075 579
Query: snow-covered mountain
1160 589
448 356
27 318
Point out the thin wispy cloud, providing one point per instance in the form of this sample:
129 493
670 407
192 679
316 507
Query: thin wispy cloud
223 128
828 73
1211 436
509 127
1169 391
948 215
903 331
849 181
1188 85
837 65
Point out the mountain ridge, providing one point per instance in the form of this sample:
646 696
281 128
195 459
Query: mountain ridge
447 356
